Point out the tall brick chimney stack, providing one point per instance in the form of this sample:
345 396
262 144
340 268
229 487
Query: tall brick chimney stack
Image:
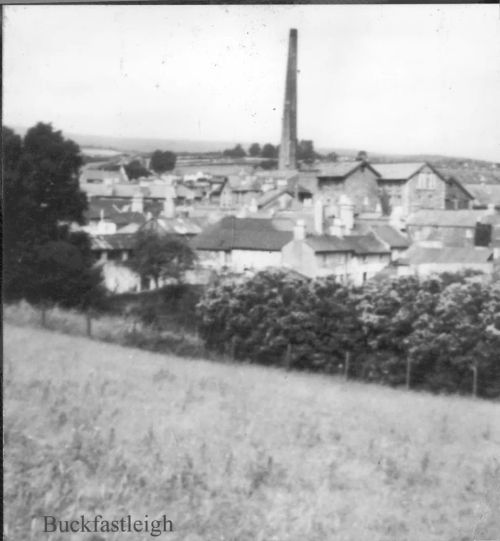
288 147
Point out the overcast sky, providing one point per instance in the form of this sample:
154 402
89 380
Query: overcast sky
408 79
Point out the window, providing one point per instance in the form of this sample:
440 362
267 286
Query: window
426 181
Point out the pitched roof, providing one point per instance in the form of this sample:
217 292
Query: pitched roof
338 169
185 192
391 236
445 218
178 225
398 171
417 255
270 196
118 241
358 244
471 176
328 243
366 244
244 184
485 194
129 217
233 233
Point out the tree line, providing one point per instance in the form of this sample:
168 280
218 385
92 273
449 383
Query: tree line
440 333
268 151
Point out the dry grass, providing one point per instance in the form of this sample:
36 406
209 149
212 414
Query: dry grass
234 452
123 330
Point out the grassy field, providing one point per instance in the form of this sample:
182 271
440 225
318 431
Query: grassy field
235 452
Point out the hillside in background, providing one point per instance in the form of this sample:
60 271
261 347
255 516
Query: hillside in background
238 452
138 144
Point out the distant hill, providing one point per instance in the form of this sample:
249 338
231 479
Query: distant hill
438 159
141 144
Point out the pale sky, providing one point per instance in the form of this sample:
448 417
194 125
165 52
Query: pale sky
390 78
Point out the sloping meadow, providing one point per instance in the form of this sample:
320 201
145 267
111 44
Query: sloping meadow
237 452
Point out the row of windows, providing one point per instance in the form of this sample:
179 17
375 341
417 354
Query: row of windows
426 181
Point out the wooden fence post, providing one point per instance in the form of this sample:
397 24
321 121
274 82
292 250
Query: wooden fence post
474 380
288 356
408 372
346 366
233 348
88 317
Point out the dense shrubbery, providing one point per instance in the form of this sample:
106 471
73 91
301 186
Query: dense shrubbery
171 307
432 333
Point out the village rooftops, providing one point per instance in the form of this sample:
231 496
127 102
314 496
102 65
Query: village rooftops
176 225
391 236
118 241
358 244
485 194
468 176
341 170
233 233
418 255
398 171
446 218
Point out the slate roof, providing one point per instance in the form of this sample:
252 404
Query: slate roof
471 176
445 218
328 243
339 169
391 236
417 255
244 184
485 194
185 192
118 241
366 244
178 225
233 233
270 196
124 218
358 244
398 171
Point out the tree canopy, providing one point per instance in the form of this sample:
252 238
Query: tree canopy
430 333
269 151
236 152
41 199
305 151
135 169
254 150
163 161
159 256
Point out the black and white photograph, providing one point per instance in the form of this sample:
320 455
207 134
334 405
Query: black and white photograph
251 272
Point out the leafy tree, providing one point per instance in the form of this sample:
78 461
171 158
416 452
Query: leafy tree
268 164
159 256
269 151
135 170
362 156
461 334
442 327
163 161
305 151
332 157
236 152
254 150
42 198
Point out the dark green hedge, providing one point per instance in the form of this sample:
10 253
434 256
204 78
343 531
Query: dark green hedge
430 333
